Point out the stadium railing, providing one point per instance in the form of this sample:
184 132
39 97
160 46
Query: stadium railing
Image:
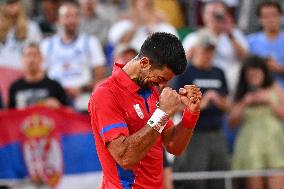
228 176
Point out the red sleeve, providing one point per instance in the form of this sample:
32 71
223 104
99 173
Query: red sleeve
107 116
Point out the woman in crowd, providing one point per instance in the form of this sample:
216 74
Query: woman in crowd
258 109
15 29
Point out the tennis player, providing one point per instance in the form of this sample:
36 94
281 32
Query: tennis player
131 120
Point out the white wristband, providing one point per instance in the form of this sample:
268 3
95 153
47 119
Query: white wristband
158 120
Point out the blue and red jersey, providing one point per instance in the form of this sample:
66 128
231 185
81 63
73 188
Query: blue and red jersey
119 107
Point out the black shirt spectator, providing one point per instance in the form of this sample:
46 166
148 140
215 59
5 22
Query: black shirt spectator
23 94
211 79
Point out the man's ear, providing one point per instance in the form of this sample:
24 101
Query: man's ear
145 63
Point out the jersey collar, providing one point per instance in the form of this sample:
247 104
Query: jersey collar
123 79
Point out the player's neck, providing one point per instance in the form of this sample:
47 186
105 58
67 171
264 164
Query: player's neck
131 69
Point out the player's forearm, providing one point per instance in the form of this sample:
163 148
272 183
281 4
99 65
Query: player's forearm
133 149
128 151
179 139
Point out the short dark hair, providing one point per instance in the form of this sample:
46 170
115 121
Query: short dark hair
164 49
253 61
268 4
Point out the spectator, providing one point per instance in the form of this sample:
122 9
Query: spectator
28 6
207 150
248 20
269 43
74 59
35 87
112 9
231 8
124 53
258 108
15 29
48 18
139 23
171 10
231 44
93 23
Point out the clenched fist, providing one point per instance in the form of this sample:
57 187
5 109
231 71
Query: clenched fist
191 97
169 101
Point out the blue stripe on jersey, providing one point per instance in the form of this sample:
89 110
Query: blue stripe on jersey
145 93
112 126
126 177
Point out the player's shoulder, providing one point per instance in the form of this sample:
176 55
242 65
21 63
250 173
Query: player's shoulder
104 90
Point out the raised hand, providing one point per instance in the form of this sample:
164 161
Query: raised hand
169 101
262 97
249 99
213 96
191 97
273 65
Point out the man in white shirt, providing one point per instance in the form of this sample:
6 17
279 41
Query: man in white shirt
231 44
74 59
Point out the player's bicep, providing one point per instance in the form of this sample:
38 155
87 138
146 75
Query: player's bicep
109 119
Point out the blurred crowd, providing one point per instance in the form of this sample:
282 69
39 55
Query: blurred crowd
54 52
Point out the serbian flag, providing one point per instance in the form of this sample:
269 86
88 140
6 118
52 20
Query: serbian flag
48 147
